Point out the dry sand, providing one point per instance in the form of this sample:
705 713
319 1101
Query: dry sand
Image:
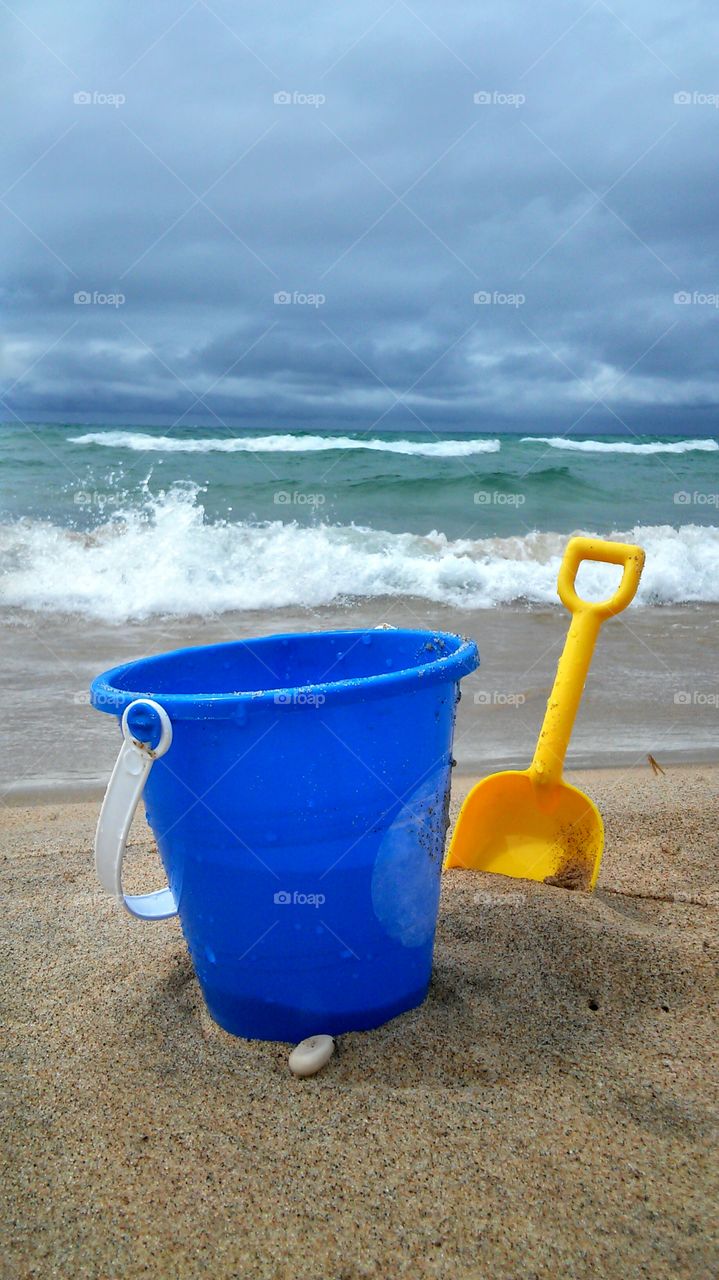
549 1111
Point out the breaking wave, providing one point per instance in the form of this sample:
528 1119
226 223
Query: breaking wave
142 442
624 446
166 557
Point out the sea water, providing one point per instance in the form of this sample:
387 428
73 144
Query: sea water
118 542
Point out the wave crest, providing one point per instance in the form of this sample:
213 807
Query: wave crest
624 446
143 442
166 558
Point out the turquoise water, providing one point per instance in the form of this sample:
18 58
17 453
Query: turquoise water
143 521
529 483
115 544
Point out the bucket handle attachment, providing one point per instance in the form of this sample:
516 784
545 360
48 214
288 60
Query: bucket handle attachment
122 797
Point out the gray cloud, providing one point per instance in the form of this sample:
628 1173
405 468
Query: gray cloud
397 198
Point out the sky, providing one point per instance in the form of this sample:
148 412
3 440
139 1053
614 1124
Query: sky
366 216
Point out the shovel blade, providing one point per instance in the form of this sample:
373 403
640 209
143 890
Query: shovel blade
510 825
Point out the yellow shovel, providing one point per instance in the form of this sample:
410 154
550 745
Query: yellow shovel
530 823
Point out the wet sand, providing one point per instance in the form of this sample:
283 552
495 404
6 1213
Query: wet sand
549 1111
653 685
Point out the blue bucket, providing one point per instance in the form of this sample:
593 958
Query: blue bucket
298 790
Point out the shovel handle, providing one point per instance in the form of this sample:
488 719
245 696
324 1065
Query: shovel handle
587 618
623 553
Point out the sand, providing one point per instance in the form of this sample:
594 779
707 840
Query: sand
549 1111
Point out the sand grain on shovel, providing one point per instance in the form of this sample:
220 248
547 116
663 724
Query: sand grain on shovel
575 865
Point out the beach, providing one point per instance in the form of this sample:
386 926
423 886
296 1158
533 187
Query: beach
359 442
549 1110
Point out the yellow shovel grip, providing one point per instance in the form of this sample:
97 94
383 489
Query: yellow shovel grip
587 618
624 553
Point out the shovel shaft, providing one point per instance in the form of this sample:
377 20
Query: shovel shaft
587 618
564 700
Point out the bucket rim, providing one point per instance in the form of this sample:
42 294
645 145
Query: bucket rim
106 696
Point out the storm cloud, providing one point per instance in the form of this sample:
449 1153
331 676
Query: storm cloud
368 216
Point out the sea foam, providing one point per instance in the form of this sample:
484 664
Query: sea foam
166 557
624 446
142 442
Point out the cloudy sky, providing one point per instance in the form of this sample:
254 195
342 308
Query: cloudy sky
470 216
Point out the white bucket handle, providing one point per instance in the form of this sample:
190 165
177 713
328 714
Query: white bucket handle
118 809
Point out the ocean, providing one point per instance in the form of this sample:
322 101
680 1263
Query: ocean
118 542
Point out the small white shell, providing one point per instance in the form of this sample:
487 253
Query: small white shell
311 1055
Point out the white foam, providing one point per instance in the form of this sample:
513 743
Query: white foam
166 558
624 446
142 442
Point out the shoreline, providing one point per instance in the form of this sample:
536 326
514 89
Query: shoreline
54 794
653 686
